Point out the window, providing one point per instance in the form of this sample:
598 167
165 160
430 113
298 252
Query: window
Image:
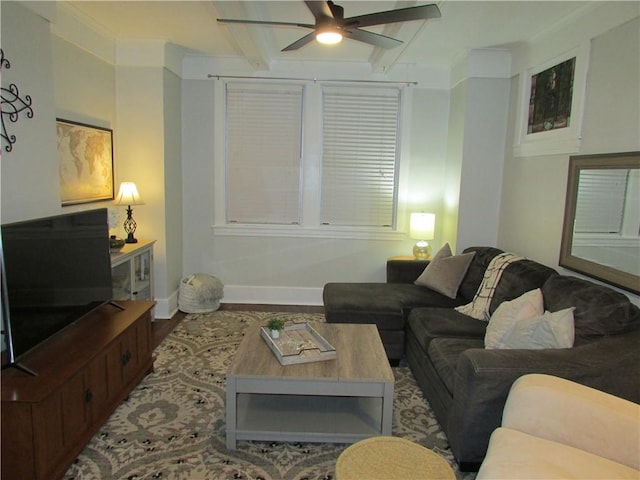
359 156
601 201
307 159
264 138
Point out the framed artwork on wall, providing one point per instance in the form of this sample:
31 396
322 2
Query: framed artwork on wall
85 162
551 105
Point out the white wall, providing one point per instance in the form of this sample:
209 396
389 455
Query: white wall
476 142
70 73
139 100
294 270
29 173
173 191
84 86
150 157
533 196
483 152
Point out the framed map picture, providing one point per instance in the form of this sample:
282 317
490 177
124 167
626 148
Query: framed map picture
85 158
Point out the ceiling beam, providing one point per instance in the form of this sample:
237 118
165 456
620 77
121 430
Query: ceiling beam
244 38
383 60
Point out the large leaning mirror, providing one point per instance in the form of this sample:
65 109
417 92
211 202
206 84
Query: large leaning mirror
601 234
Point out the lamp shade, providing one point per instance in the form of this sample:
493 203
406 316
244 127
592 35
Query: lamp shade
128 195
422 226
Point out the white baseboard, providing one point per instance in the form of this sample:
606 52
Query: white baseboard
272 295
166 307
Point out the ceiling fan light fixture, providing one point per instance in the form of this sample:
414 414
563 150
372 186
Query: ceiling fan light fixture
329 36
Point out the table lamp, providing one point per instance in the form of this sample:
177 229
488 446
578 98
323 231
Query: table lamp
421 228
128 195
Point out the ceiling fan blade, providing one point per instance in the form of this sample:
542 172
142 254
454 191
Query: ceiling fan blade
320 9
260 22
371 38
422 12
300 42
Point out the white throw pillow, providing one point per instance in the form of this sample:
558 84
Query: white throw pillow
551 330
527 305
445 272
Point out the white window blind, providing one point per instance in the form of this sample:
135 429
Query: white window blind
601 200
264 138
359 156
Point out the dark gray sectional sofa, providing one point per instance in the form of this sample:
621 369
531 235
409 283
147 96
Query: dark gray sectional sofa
466 384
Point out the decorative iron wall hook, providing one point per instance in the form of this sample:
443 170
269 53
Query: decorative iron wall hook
12 105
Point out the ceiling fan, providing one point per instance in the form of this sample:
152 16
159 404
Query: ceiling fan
331 26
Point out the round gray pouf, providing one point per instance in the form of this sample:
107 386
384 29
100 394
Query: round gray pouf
200 293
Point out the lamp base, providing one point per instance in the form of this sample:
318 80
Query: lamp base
422 250
130 226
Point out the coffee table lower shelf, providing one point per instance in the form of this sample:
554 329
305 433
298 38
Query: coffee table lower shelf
341 400
307 418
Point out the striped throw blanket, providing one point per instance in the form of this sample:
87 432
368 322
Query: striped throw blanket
479 306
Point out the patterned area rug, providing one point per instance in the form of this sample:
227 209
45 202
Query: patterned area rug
172 426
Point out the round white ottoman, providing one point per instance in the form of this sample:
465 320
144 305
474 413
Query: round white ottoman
200 293
387 458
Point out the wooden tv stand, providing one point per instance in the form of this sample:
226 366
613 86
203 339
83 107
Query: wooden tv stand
83 373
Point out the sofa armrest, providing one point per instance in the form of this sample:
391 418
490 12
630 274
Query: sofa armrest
484 377
569 413
404 271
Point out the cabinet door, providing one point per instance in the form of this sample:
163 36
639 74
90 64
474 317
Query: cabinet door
142 272
48 433
18 458
75 407
123 360
121 281
59 421
98 391
129 355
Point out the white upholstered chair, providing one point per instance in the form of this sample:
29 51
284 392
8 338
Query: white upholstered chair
553 428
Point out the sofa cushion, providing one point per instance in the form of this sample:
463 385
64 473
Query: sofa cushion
384 304
549 330
429 323
599 310
527 305
445 272
479 306
475 273
444 354
518 278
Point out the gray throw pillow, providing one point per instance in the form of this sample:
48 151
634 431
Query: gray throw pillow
445 272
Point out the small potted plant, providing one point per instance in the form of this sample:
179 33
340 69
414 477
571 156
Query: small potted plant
275 325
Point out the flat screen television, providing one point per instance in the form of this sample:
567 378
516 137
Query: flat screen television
55 270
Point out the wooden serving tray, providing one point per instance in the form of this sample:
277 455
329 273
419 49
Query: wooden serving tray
298 343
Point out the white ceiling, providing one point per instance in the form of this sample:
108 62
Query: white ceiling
464 25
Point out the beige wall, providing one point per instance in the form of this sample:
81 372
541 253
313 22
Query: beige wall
29 173
147 107
532 207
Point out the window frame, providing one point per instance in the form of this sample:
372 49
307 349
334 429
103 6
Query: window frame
310 226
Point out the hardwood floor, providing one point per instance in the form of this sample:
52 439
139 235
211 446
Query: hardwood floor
160 328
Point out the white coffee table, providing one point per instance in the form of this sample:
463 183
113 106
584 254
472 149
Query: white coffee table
342 400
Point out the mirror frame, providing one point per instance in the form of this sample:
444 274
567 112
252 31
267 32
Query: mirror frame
612 276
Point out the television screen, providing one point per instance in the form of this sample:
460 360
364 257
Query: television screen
56 270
